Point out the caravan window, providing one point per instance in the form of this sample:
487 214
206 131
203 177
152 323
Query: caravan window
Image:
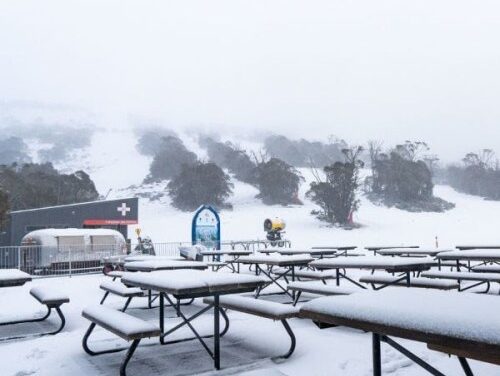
73 243
103 243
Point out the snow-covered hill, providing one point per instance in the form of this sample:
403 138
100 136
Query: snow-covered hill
114 164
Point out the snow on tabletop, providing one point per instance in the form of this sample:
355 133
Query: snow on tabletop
461 315
189 279
125 323
415 251
163 264
263 259
470 254
13 274
372 261
462 275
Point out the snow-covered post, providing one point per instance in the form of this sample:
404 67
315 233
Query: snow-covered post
19 258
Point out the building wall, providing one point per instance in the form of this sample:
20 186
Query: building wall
105 214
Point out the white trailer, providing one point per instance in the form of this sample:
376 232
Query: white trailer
74 248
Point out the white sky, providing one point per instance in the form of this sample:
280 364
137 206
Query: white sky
390 70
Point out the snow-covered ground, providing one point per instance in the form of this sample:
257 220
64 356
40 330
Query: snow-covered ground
249 346
114 164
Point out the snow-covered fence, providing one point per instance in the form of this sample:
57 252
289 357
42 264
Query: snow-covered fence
40 260
56 260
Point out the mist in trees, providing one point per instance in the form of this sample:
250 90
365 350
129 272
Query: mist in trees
336 193
198 184
304 153
38 185
229 156
13 150
479 174
170 159
151 139
402 178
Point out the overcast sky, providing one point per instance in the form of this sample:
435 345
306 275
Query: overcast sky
389 70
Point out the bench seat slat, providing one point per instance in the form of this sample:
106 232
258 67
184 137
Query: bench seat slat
414 282
262 308
123 325
118 288
466 276
319 288
49 296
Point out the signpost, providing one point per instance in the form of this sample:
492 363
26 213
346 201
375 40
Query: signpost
205 228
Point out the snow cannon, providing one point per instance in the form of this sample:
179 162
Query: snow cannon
275 228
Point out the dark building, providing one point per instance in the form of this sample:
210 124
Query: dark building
112 214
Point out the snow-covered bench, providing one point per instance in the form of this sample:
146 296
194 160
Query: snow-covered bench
115 274
119 289
309 274
449 322
52 299
389 280
495 268
261 308
127 327
318 288
480 278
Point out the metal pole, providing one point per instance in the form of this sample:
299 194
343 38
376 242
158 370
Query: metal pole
216 332
377 363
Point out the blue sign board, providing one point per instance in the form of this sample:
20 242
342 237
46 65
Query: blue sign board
205 228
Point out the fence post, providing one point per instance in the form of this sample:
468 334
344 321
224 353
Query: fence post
69 261
19 258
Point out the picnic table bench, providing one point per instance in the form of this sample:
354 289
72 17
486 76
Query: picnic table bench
318 288
262 308
403 265
448 322
50 298
480 278
426 283
119 289
338 248
190 284
125 326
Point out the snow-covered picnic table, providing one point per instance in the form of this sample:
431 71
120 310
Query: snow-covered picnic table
465 325
485 255
470 247
410 252
187 284
338 248
293 251
286 263
405 265
155 265
13 277
376 248
235 254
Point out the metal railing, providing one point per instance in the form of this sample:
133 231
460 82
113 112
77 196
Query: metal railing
85 259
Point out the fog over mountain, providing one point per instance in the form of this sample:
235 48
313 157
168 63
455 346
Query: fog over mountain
390 70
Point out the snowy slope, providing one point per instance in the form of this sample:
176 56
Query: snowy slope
114 163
